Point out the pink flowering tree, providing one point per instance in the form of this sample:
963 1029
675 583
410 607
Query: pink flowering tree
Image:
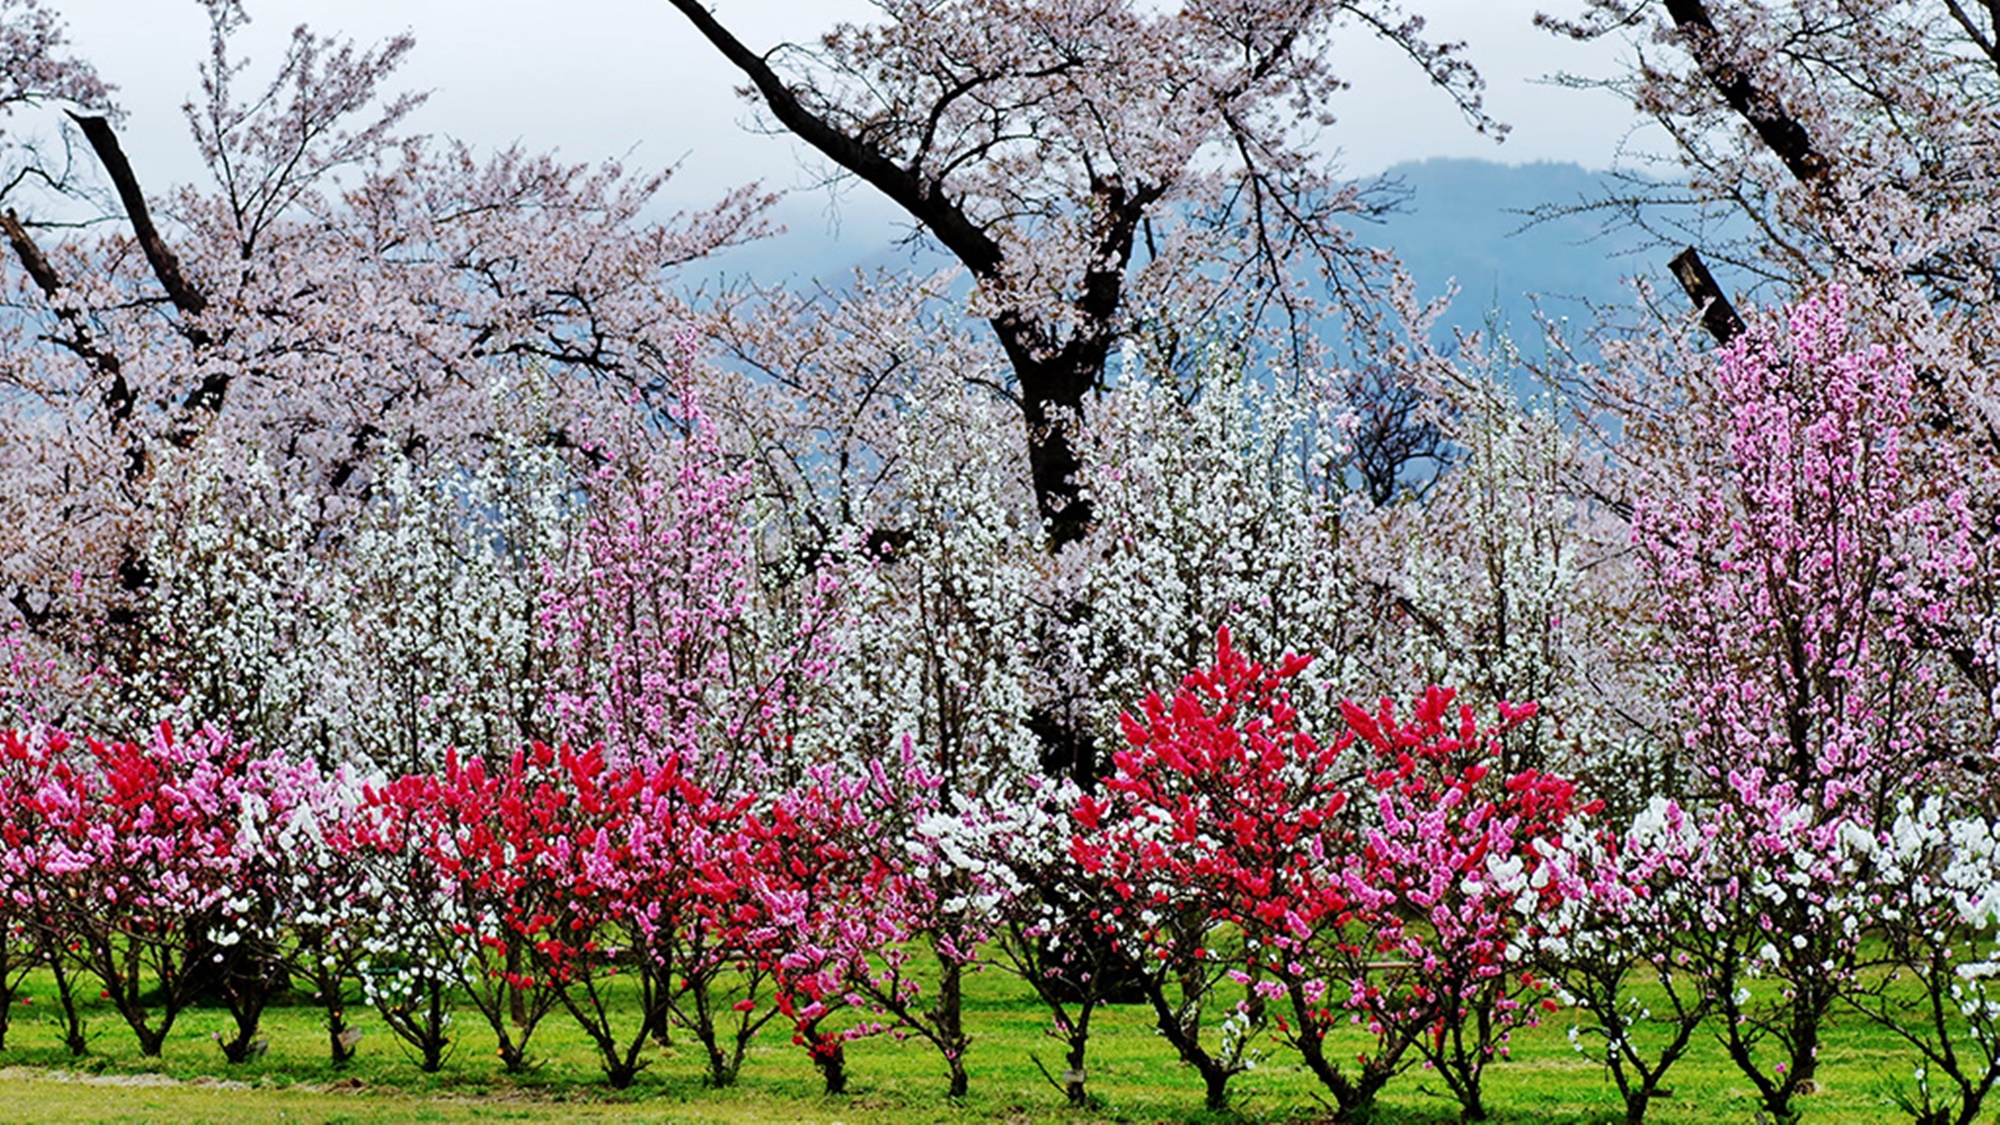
1452 873
22 945
933 881
259 795
662 642
1811 567
814 864
146 862
36 930
688 667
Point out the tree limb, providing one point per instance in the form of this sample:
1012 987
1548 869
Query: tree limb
166 267
923 199
39 270
1766 114
1717 315
118 397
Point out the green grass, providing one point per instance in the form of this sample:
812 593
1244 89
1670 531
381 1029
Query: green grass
1131 1071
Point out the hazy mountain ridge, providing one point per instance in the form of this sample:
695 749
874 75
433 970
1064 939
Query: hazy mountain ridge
1471 220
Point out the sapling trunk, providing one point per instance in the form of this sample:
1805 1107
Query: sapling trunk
829 1054
950 1022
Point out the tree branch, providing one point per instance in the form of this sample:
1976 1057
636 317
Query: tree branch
923 199
39 270
1777 128
118 397
166 267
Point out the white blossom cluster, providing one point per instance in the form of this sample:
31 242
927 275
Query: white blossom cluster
1215 508
381 638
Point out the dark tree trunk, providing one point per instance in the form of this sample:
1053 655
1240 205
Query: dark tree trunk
829 1054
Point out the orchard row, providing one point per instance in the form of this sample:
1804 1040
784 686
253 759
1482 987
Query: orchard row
1241 878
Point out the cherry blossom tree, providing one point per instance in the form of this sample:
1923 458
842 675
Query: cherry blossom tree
1095 166
1846 146
392 278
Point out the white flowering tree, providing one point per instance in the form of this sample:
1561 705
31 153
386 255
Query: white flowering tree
1933 980
1218 504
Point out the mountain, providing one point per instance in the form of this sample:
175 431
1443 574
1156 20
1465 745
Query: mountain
1471 220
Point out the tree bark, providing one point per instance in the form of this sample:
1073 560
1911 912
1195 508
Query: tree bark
166 266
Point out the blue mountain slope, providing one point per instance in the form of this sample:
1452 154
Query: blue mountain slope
1469 220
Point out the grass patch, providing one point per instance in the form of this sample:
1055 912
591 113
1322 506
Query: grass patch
1132 1073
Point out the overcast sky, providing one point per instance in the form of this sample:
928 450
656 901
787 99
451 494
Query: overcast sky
602 78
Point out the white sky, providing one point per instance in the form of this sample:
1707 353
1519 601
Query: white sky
597 78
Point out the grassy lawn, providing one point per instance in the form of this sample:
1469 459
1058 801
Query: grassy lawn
1132 1073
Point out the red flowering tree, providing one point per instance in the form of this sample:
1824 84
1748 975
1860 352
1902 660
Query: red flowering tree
639 885
814 861
1410 914
486 831
1204 829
